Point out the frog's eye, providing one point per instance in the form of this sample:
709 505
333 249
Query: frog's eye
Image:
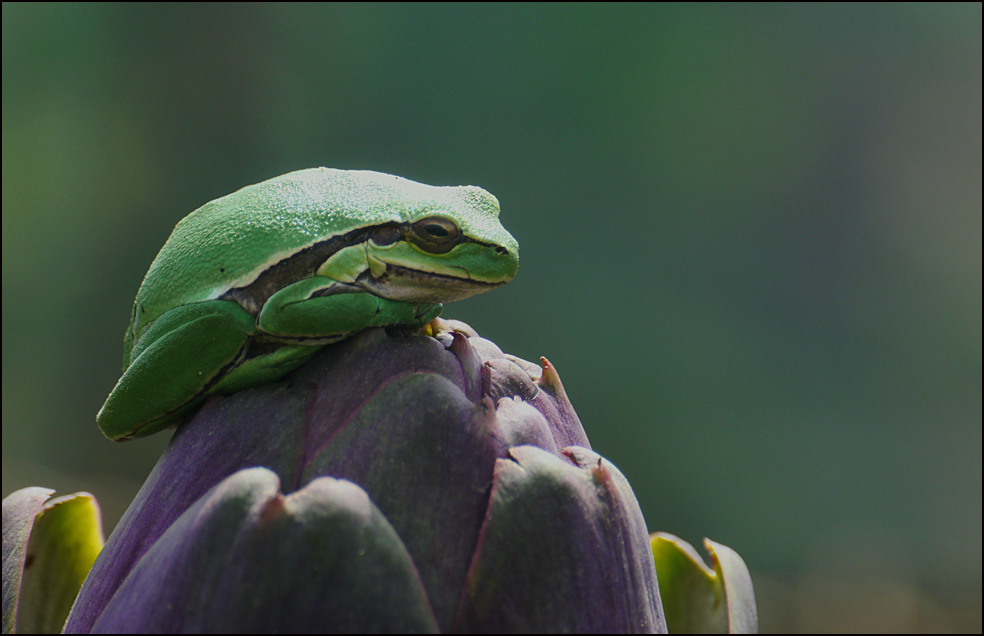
435 234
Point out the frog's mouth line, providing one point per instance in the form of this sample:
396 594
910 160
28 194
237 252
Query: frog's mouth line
398 271
404 283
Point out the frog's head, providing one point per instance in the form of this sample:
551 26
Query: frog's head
448 246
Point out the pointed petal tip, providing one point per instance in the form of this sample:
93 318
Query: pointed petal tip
272 508
602 476
550 379
459 341
462 349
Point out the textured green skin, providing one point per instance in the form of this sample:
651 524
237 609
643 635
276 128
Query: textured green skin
198 326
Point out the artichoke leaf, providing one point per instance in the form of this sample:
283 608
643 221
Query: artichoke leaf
52 546
702 599
65 541
19 511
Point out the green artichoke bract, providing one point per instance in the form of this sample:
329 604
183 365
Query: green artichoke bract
48 548
698 599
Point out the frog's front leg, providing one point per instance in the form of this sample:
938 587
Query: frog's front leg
319 310
180 356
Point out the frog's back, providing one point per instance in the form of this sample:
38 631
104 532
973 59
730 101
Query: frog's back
228 242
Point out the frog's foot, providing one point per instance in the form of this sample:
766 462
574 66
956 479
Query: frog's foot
183 353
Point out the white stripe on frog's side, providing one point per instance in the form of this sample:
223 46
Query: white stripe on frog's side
250 278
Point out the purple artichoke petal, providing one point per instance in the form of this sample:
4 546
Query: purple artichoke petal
65 540
501 378
423 452
699 599
562 549
244 558
19 510
261 427
508 376
419 424
519 424
471 366
344 380
485 349
553 402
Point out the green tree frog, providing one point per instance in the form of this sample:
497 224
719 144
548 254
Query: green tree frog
249 286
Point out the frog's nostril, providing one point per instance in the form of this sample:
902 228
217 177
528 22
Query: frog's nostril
501 250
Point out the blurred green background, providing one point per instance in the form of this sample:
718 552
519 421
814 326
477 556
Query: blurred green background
751 244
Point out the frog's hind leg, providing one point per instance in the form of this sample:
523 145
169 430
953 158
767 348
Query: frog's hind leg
183 354
264 363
